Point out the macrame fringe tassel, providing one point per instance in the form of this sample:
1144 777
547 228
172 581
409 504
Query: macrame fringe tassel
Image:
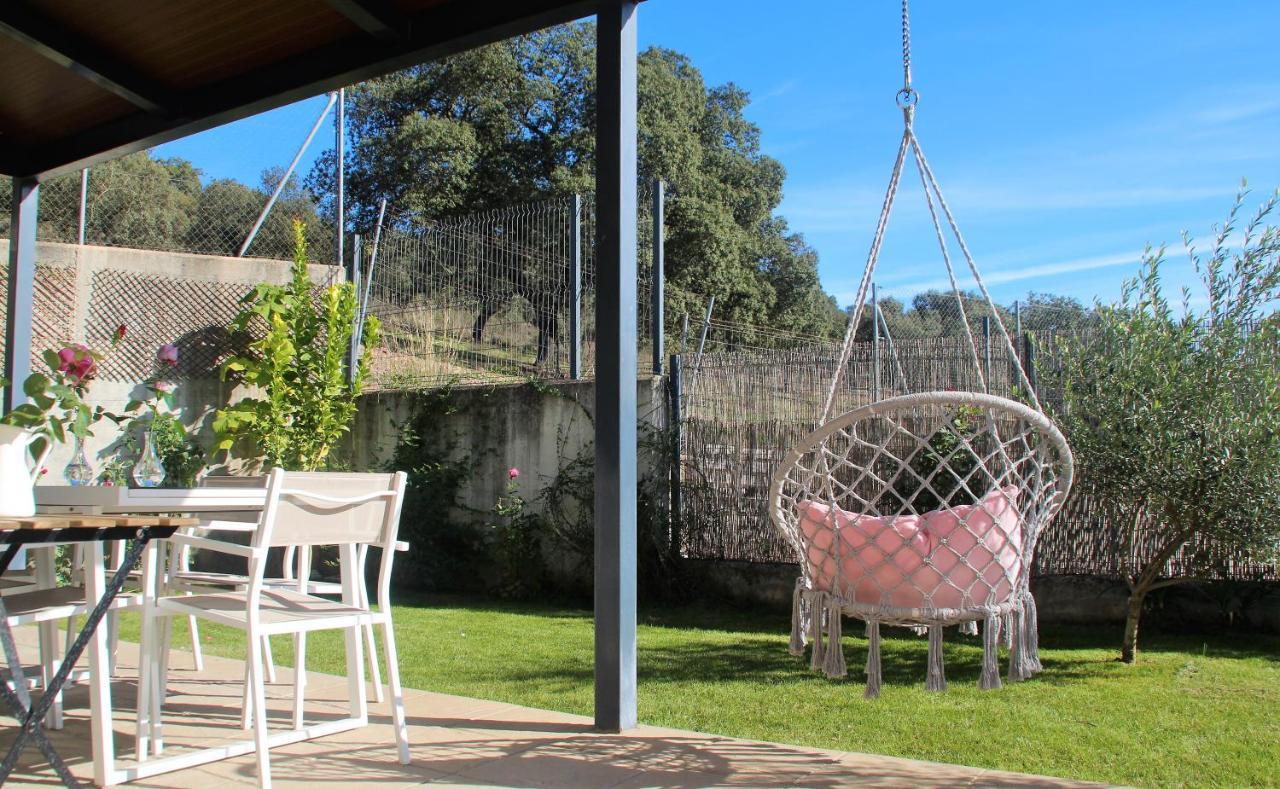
969 628
935 680
798 622
834 666
990 679
1017 647
873 660
1031 631
1006 629
817 610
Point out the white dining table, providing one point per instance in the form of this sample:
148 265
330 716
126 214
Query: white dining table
225 501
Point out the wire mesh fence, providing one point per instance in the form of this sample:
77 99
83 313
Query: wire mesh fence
151 207
492 297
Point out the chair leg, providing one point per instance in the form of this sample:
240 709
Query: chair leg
375 673
299 676
397 693
270 659
197 653
259 697
164 643
246 706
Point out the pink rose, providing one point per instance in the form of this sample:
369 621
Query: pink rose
514 473
77 363
168 354
163 387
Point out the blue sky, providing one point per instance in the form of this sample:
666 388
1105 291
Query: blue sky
1066 136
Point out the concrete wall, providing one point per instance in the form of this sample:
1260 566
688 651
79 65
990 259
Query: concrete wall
161 297
535 428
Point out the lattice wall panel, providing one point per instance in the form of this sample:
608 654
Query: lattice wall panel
158 310
53 324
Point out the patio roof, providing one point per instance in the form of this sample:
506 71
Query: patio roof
82 82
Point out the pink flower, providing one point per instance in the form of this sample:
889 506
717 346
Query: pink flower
163 387
44 471
514 473
77 363
108 483
168 354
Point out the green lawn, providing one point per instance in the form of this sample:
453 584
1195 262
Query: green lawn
1195 710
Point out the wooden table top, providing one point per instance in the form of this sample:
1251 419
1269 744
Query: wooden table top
56 522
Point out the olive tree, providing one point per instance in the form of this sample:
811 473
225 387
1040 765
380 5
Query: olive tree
1173 410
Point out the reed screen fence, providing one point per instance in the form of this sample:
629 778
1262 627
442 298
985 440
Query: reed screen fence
742 410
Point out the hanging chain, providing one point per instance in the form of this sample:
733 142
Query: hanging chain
907 97
906 47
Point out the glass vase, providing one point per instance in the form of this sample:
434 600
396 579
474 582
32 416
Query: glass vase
148 472
78 471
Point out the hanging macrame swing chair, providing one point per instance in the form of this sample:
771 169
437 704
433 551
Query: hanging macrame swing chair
922 510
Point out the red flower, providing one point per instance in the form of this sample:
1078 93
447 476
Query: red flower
120 332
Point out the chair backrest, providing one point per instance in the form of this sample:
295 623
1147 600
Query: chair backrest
330 508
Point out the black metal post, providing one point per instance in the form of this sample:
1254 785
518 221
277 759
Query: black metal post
677 442
615 416
658 332
22 282
575 286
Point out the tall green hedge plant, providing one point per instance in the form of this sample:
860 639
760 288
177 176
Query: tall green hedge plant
303 398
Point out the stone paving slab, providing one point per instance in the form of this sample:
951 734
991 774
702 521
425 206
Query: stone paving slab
460 741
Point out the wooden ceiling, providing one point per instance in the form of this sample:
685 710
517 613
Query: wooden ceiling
82 81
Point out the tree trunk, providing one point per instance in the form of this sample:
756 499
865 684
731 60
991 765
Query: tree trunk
1129 649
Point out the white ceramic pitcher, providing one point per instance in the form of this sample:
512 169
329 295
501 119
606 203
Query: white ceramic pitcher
18 474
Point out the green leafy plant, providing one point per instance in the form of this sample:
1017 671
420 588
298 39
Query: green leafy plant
1174 414
304 398
518 533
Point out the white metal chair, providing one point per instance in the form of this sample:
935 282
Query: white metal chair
303 509
295 563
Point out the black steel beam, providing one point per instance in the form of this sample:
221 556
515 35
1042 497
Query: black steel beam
375 17
440 31
46 38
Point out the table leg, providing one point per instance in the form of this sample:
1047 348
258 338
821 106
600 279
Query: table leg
101 736
87 633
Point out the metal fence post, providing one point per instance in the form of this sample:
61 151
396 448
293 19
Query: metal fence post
658 332
575 290
339 132
354 358
986 351
84 202
875 343
1029 365
677 440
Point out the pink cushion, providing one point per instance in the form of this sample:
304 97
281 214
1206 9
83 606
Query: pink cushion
972 548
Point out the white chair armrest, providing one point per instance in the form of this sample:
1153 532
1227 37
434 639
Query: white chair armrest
219 546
